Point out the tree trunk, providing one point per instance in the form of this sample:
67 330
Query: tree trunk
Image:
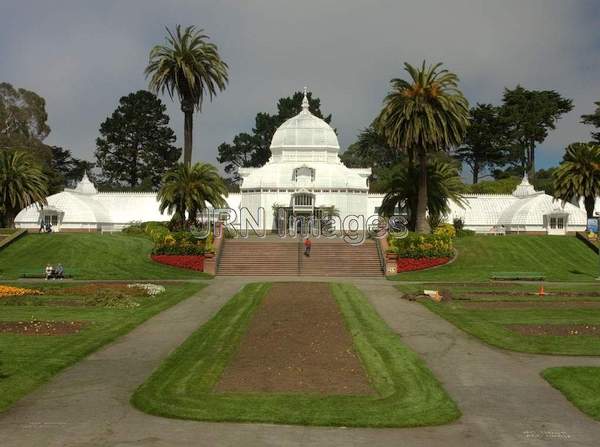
10 216
422 226
475 172
532 163
411 158
589 203
188 110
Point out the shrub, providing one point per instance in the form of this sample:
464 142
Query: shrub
179 249
434 221
134 227
422 246
184 237
458 223
445 230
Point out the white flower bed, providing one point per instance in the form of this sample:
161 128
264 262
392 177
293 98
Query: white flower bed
151 289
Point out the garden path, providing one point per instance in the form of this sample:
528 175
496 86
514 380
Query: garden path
504 400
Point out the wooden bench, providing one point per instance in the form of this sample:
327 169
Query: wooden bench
518 276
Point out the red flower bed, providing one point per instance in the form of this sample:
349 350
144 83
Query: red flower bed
181 261
410 264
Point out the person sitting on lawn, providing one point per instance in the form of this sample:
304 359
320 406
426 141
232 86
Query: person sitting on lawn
60 272
307 246
49 272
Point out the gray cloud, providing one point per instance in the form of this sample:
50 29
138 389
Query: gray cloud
83 55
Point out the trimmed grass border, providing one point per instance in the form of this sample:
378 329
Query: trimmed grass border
407 392
579 384
26 361
490 325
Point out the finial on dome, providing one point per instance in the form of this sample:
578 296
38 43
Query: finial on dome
305 104
85 185
525 180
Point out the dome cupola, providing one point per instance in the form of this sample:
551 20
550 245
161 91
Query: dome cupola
304 132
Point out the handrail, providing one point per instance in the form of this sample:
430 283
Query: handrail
380 254
218 254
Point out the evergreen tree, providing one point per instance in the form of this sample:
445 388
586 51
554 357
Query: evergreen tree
136 142
529 116
593 120
485 144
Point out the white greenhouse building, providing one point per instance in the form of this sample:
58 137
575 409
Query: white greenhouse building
304 178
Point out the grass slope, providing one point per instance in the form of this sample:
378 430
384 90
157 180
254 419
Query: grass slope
88 256
489 325
560 258
581 385
407 392
28 361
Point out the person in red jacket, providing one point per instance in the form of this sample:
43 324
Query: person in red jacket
307 246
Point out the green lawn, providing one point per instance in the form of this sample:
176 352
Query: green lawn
490 325
88 256
27 361
560 258
407 392
581 385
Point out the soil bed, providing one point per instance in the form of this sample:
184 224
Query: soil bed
41 327
481 305
528 294
565 330
296 342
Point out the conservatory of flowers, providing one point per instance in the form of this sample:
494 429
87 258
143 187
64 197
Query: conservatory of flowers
304 178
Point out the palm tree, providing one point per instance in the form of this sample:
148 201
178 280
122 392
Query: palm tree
426 114
578 176
22 183
189 67
187 189
401 184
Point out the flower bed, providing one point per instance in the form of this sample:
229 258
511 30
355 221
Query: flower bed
17 291
410 264
182 261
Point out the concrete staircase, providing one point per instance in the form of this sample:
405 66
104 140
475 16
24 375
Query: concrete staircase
285 258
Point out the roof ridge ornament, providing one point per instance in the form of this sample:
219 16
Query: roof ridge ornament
305 104
525 189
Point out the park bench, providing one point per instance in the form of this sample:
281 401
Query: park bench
518 276
70 273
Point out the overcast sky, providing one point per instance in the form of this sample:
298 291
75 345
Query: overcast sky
82 56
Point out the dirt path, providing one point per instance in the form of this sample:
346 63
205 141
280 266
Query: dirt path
503 399
297 341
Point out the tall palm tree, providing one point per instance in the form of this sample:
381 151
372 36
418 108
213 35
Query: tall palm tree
578 176
187 189
428 113
189 67
401 184
22 183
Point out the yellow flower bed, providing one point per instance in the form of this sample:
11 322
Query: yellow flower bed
17 291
